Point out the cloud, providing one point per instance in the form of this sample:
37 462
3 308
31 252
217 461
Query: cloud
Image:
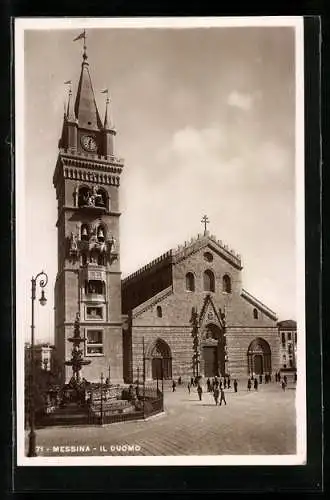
240 100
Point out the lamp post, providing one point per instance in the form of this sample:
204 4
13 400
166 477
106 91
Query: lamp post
102 378
144 378
162 384
43 280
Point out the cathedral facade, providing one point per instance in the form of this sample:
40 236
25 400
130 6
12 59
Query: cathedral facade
184 314
188 314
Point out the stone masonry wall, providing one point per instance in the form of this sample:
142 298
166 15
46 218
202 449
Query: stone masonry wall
174 326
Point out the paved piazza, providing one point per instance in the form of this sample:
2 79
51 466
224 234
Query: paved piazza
260 422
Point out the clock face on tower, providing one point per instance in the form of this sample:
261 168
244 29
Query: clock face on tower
88 143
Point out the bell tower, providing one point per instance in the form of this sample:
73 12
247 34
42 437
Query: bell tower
88 281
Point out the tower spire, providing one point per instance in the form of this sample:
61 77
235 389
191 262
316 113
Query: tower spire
85 108
106 119
70 114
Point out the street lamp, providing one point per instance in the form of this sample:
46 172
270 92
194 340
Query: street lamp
144 377
43 280
102 378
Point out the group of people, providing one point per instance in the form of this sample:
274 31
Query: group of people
216 386
268 378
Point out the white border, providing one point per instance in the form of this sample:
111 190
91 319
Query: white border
22 24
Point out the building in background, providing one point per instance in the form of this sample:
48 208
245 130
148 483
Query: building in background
287 331
43 355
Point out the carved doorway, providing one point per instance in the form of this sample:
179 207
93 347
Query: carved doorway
210 355
258 364
161 360
213 350
259 357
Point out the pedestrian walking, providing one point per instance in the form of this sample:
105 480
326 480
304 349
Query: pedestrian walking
235 385
189 387
179 381
199 391
222 397
249 384
225 383
295 376
285 378
220 383
255 384
208 383
228 382
260 379
216 394
283 385
173 386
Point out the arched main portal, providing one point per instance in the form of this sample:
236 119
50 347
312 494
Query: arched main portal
259 357
213 351
159 360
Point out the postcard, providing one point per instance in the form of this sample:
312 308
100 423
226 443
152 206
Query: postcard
160 302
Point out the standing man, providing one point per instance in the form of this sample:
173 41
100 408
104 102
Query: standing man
173 386
216 394
200 391
249 384
222 396
235 385
189 386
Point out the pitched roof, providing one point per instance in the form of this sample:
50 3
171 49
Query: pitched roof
152 301
258 304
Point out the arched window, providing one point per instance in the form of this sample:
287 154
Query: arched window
208 281
83 195
159 312
190 282
255 313
84 232
226 283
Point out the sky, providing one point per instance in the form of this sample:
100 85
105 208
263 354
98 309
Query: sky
206 125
